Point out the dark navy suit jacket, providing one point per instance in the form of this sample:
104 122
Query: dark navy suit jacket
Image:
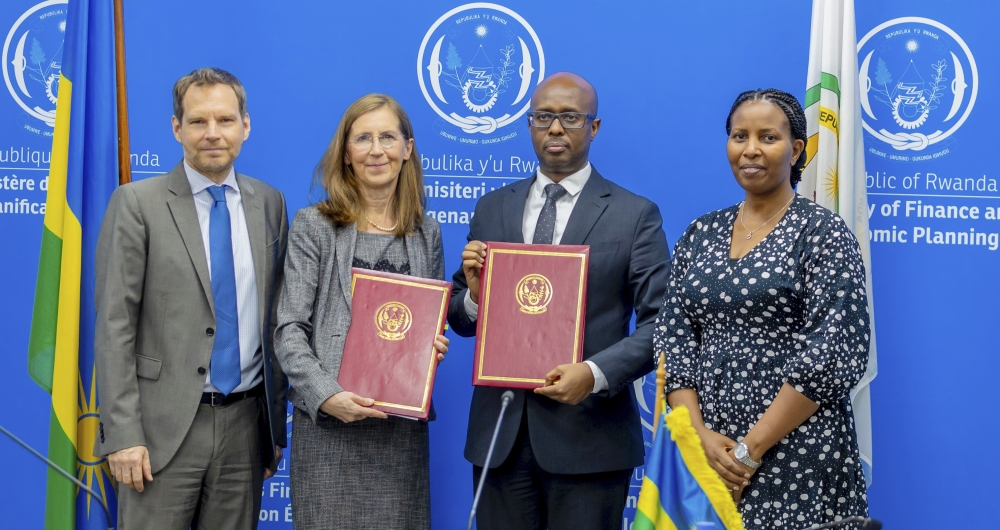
629 270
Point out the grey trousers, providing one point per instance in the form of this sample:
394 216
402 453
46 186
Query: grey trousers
213 482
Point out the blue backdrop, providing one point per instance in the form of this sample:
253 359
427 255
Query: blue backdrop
666 74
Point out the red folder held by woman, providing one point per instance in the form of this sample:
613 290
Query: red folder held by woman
389 353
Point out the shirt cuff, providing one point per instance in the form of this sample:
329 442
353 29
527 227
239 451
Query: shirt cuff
600 382
471 308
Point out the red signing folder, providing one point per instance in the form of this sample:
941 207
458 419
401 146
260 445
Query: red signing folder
389 353
532 307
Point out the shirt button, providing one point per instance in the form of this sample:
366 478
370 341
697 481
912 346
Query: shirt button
209 332
201 370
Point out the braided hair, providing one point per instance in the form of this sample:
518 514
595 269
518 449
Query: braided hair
793 111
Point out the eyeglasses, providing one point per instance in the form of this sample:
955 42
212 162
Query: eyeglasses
568 120
388 140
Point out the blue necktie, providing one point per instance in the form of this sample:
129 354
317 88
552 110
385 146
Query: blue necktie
225 362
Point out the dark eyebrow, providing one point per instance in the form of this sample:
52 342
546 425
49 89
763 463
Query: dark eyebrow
761 131
558 110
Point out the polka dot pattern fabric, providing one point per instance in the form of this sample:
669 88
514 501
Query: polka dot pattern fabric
794 310
546 226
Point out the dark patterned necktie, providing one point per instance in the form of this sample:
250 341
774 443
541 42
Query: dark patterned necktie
546 226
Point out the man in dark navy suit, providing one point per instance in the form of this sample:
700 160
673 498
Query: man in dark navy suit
565 454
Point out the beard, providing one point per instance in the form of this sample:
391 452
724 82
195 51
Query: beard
209 165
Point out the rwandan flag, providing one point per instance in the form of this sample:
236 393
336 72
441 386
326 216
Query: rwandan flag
83 174
680 490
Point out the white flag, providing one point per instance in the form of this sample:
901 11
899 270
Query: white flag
835 155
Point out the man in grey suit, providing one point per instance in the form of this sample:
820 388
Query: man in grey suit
189 265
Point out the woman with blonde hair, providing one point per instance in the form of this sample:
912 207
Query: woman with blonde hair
352 466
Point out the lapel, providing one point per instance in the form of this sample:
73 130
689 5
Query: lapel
415 258
588 209
253 210
181 204
513 210
347 238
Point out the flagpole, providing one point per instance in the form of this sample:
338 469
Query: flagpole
124 151
661 386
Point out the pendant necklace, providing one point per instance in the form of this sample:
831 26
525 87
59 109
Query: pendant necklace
742 204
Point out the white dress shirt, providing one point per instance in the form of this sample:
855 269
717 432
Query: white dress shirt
248 315
564 207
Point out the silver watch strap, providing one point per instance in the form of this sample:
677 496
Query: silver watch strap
746 460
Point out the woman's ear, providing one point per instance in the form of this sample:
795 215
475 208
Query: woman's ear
798 146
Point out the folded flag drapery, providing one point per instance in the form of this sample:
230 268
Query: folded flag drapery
89 150
679 489
835 156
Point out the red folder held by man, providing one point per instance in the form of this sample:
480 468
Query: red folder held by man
532 309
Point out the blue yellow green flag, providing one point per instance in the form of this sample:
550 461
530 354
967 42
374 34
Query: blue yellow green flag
83 174
679 490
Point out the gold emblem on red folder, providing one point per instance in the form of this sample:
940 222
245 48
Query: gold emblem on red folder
392 320
534 292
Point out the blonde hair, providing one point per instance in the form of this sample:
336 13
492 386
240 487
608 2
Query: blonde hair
344 203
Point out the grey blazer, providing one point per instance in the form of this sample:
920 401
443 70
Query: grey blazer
314 309
155 315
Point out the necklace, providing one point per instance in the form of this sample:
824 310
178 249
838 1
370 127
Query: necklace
382 228
750 234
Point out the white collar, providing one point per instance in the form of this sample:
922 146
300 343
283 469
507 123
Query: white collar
200 183
573 183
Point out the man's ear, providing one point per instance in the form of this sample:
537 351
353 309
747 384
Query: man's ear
175 124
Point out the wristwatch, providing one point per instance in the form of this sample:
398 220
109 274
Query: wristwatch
742 453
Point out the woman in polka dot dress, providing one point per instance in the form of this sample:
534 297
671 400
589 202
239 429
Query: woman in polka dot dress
765 330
